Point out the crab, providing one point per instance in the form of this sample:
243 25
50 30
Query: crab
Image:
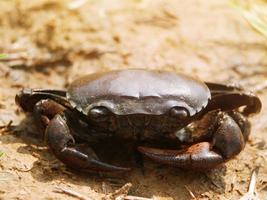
142 105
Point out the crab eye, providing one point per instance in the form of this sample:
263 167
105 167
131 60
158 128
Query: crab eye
98 113
179 112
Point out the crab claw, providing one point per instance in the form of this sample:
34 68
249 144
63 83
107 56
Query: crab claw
102 166
197 156
228 139
85 159
60 140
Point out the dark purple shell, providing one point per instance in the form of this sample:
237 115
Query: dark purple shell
138 92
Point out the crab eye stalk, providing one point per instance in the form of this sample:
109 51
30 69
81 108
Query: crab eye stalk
98 113
179 112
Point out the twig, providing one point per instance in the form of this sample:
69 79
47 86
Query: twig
23 170
262 187
7 126
71 193
120 193
251 194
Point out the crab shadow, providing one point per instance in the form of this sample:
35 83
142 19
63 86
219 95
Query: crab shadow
151 180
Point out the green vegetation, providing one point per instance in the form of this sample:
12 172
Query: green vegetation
3 56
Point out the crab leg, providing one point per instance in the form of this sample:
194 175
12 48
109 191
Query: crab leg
227 141
196 156
231 101
50 109
217 88
60 140
227 97
27 98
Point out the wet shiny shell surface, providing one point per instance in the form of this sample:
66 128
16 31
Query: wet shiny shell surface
127 92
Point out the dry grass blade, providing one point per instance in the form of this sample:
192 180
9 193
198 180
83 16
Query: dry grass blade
71 193
255 12
136 198
251 194
256 22
260 87
190 192
75 4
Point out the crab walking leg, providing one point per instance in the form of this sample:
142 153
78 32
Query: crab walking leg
230 101
46 106
227 141
27 98
60 140
46 109
43 111
216 88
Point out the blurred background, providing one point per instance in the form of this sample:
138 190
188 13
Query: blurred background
48 43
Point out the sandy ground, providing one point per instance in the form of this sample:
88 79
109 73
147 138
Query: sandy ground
51 42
